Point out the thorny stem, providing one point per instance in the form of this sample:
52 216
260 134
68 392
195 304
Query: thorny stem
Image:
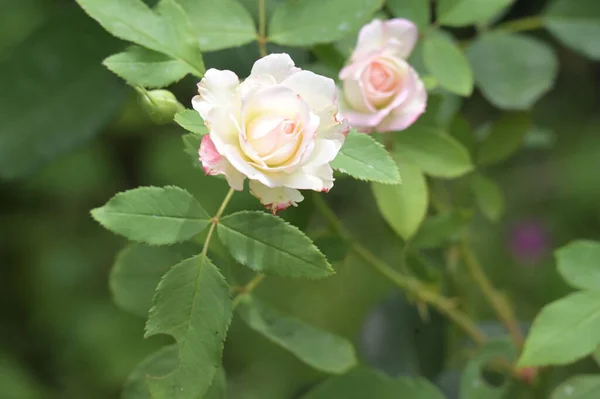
262 28
497 302
408 284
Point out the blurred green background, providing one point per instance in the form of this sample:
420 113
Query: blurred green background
72 135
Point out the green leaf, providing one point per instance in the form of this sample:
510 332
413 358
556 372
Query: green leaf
365 159
137 271
578 387
362 383
268 244
576 23
193 305
417 11
220 24
308 22
166 29
437 153
139 66
512 71
461 130
472 383
447 63
403 206
468 12
505 138
488 196
441 229
191 121
564 331
317 348
191 146
579 264
153 215
34 127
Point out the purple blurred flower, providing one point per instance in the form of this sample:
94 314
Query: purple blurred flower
529 241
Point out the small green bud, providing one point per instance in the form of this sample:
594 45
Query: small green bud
161 105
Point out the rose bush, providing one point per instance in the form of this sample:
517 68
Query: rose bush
279 128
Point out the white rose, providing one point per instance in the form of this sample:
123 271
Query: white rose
279 128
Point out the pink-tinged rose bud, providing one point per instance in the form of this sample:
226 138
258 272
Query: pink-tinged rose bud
380 90
279 128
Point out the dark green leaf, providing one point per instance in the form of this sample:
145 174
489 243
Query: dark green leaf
505 138
139 66
512 71
441 229
317 348
193 305
564 331
447 63
494 354
488 196
468 12
416 11
365 159
191 145
578 387
577 24
153 215
307 22
268 244
137 271
579 264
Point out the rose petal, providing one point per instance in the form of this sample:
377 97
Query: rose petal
275 199
318 91
216 89
279 66
411 108
216 164
374 36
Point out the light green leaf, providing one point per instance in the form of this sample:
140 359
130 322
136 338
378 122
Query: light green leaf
137 271
461 130
564 331
437 153
440 229
488 196
578 387
505 138
403 206
472 383
153 215
36 128
577 24
268 244
317 348
193 305
468 12
191 146
362 383
139 66
365 159
417 11
220 24
191 121
308 22
447 63
166 29
579 264
512 71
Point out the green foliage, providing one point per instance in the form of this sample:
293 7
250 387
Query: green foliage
268 244
139 66
137 271
576 23
441 229
153 215
308 22
505 138
192 304
578 387
488 196
447 63
219 24
404 206
472 383
434 151
191 144
512 71
579 264
564 331
417 11
41 121
191 121
365 159
160 105
468 12
315 347
165 29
